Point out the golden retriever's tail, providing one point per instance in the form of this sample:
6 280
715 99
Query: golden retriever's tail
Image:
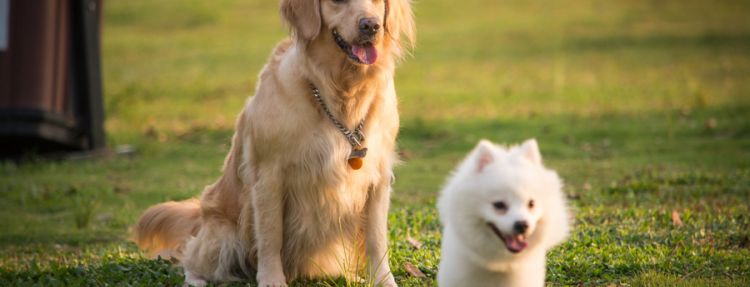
164 228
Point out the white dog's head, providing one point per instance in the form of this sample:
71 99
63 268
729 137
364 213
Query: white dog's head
501 202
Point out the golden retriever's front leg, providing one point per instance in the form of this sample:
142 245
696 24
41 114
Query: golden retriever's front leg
376 235
268 214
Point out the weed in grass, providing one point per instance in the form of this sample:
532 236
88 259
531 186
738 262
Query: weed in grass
85 206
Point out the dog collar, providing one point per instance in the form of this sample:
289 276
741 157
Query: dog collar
355 138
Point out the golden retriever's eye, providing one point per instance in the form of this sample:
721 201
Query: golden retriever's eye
500 206
531 204
340 1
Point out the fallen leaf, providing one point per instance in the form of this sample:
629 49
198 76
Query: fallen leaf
676 221
414 243
413 270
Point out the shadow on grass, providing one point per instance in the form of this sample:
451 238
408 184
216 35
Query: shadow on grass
73 239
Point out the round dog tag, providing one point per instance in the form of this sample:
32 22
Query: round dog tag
355 163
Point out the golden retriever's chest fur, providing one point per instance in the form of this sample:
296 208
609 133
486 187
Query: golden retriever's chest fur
323 198
320 189
324 206
324 201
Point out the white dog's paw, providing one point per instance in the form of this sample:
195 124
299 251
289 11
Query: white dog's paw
194 280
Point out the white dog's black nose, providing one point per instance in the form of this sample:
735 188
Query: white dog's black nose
369 26
520 227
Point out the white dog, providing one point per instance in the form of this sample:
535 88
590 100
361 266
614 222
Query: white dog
502 210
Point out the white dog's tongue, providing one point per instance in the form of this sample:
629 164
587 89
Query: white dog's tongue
515 243
366 54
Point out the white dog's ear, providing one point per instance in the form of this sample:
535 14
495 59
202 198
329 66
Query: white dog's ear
483 154
303 16
530 150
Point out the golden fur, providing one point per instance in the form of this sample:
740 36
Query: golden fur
287 204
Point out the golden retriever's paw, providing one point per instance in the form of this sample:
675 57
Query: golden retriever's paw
388 281
271 274
194 280
354 279
271 280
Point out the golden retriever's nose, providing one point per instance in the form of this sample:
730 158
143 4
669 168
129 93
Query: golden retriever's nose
369 26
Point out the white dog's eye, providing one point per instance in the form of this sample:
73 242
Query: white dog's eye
500 206
531 204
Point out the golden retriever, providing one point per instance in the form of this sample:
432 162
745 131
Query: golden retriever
293 200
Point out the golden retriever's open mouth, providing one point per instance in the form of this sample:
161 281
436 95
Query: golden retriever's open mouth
362 53
514 243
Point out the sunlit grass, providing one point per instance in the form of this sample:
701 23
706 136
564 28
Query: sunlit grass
641 106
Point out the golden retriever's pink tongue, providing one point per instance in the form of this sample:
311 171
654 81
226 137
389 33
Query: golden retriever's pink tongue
366 54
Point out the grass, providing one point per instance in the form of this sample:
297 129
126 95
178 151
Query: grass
642 107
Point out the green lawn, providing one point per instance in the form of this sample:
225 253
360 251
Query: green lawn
643 107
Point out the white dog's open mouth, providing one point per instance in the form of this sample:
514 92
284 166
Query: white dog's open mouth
363 53
514 243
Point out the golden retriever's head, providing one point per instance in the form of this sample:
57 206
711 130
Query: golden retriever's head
363 30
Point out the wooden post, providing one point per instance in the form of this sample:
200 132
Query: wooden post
50 77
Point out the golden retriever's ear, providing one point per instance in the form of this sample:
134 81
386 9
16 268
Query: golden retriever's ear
303 16
400 22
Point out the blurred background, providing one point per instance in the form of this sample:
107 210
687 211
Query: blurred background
642 106
474 60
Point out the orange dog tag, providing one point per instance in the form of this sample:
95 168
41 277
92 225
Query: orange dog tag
355 163
356 158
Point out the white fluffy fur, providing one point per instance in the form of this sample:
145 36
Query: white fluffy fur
472 254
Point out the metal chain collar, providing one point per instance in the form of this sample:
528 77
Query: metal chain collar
356 137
